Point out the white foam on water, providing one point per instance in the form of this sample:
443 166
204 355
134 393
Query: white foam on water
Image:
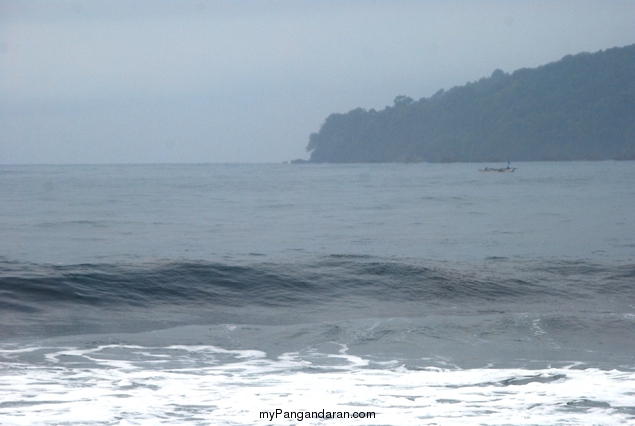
206 385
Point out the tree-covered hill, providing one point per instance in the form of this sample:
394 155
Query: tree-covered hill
581 107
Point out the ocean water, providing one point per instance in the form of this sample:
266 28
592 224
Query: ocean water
394 294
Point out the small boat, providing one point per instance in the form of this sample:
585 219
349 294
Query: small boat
501 170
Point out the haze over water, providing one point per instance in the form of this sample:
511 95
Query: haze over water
165 81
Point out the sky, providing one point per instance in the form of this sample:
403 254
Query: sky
180 81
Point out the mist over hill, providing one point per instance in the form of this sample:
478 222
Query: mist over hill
581 107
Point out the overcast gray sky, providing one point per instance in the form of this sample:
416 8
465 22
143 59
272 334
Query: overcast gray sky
156 81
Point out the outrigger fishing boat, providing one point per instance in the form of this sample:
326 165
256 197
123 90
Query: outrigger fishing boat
502 169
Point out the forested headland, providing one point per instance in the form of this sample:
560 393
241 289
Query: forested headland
581 107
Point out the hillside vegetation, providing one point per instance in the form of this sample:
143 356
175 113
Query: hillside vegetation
581 107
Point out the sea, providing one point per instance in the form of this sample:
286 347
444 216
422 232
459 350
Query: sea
321 294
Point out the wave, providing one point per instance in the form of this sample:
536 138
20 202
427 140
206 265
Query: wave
29 287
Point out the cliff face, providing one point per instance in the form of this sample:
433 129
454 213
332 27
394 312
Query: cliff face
581 107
